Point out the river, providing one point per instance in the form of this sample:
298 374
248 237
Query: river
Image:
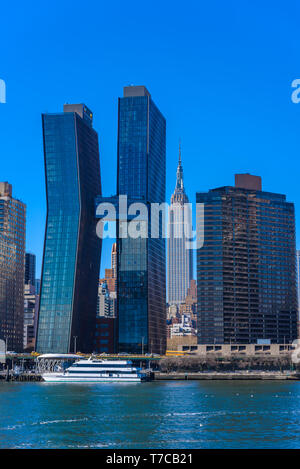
175 415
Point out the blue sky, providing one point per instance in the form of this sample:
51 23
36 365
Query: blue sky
220 72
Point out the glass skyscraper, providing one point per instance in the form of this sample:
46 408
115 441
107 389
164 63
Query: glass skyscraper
298 281
30 261
180 259
141 290
246 269
70 272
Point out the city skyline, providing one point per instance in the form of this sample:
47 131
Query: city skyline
224 99
149 228
38 252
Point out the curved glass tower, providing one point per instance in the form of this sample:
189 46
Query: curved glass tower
72 250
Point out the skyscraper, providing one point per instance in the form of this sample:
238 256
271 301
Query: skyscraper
12 260
298 281
105 307
180 258
68 297
111 274
31 303
37 286
106 321
246 272
30 269
141 293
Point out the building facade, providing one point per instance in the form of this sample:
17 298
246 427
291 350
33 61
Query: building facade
105 340
107 291
246 272
105 301
30 261
37 286
298 281
180 257
31 303
189 307
235 351
70 272
111 274
12 262
141 290
105 335
298 287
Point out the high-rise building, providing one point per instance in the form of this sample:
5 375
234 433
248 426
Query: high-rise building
105 340
105 302
107 291
141 291
189 307
30 269
37 286
114 260
111 274
31 303
12 261
298 287
246 272
70 272
105 335
180 257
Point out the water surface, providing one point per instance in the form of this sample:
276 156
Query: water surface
196 414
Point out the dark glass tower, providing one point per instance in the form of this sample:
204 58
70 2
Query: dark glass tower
246 269
72 250
141 293
30 269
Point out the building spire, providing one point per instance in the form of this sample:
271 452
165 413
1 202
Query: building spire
179 173
179 159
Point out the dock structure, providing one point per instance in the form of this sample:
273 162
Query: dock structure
31 366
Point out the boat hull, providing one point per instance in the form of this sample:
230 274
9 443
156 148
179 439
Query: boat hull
52 378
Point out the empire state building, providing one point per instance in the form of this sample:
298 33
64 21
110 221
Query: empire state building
180 259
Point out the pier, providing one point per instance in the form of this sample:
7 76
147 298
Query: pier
10 376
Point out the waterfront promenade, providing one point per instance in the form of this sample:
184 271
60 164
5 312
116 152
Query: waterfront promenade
24 367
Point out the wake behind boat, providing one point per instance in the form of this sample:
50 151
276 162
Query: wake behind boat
94 370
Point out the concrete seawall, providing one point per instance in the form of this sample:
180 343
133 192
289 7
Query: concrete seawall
4 376
226 376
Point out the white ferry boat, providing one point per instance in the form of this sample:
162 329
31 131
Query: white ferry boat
95 370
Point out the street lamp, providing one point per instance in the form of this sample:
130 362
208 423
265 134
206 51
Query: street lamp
75 343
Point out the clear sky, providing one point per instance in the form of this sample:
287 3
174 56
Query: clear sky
220 72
